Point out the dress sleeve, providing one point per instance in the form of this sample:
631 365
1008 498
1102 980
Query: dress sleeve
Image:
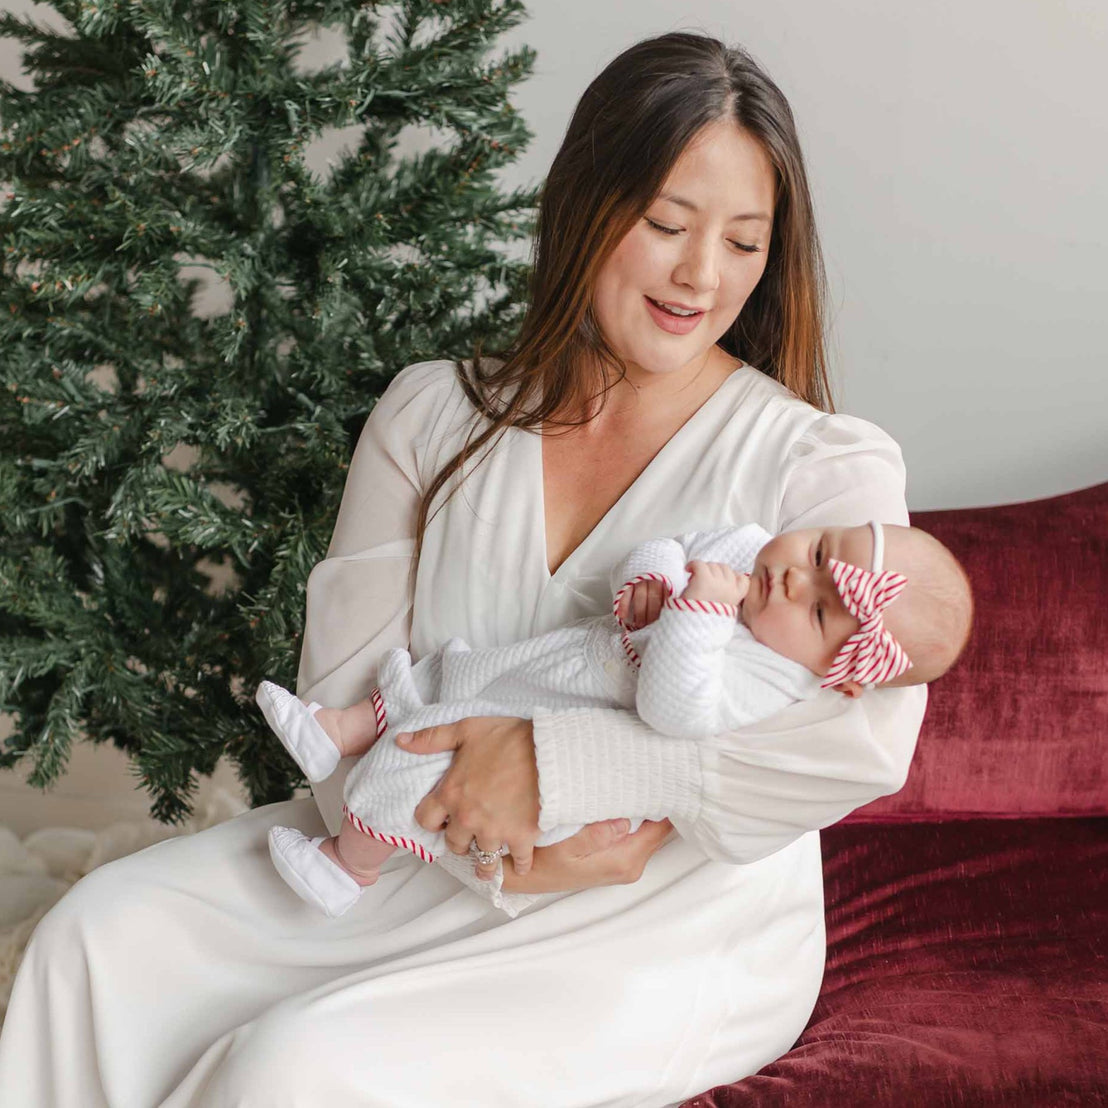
358 597
746 793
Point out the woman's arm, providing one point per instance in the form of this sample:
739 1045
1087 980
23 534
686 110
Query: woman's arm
358 603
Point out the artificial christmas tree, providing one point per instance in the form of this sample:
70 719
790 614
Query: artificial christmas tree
169 479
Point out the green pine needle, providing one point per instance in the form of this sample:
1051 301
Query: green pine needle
170 474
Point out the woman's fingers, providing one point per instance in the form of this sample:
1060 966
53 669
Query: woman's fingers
632 853
596 837
458 836
431 740
431 814
522 856
485 870
601 853
651 835
490 790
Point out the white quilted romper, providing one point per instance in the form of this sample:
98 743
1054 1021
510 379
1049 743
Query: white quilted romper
701 673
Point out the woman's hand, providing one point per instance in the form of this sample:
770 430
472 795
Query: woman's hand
491 790
599 854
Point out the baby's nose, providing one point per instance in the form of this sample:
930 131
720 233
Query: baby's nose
797 582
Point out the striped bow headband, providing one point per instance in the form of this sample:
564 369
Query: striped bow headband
871 655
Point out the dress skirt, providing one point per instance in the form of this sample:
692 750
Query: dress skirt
189 975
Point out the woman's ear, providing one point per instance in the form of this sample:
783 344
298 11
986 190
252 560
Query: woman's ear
849 688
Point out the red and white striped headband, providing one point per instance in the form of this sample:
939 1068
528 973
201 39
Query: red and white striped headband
871 655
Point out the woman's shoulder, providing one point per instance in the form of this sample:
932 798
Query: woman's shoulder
424 398
426 381
840 433
811 428
441 383
426 411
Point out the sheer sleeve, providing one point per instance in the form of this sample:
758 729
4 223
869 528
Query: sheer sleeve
358 602
746 793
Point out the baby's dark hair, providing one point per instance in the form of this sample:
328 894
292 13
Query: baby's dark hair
932 617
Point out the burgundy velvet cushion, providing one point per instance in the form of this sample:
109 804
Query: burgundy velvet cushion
967 966
1018 727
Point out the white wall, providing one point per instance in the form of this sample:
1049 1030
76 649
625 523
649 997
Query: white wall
958 151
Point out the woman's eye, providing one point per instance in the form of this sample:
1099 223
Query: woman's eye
746 248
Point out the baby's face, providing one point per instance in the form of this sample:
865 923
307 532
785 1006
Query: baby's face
793 606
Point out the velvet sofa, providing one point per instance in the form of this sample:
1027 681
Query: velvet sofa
967 915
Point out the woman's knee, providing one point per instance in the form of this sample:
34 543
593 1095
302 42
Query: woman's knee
93 904
87 900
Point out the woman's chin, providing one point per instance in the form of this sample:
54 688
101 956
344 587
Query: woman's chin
666 363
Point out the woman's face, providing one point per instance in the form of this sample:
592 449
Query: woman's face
701 246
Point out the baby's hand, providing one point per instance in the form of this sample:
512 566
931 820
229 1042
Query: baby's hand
641 604
716 581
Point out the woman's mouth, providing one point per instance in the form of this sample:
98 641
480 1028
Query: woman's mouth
673 318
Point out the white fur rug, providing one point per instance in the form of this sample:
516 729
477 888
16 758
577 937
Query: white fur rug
36 871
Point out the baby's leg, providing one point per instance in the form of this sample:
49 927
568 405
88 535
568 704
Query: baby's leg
353 730
360 855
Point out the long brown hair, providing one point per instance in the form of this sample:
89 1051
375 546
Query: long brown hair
628 130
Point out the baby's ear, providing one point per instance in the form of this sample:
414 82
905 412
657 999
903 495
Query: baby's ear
849 688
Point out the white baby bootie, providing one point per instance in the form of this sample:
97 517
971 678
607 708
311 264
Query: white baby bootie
310 873
294 723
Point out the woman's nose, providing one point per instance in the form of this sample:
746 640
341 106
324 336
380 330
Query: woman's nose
699 267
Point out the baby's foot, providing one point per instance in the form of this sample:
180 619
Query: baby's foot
300 732
315 877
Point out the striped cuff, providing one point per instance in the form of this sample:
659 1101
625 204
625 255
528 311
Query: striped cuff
708 607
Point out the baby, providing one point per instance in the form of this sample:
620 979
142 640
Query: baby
711 631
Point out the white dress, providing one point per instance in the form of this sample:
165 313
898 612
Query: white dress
189 975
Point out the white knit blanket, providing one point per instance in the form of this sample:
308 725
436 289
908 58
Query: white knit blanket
37 870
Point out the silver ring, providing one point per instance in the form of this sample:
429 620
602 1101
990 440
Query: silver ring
487 857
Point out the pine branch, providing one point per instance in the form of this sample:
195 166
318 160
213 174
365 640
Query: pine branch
169 479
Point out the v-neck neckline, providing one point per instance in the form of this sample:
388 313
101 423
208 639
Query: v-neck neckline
601 524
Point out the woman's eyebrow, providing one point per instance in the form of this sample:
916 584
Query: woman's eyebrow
746 217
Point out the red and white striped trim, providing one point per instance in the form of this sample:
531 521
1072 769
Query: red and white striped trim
708 607
379 712
624 636
392 840
871 655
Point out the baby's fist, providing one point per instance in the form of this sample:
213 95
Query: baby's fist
641 604
717 582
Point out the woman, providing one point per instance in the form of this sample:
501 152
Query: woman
675 247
